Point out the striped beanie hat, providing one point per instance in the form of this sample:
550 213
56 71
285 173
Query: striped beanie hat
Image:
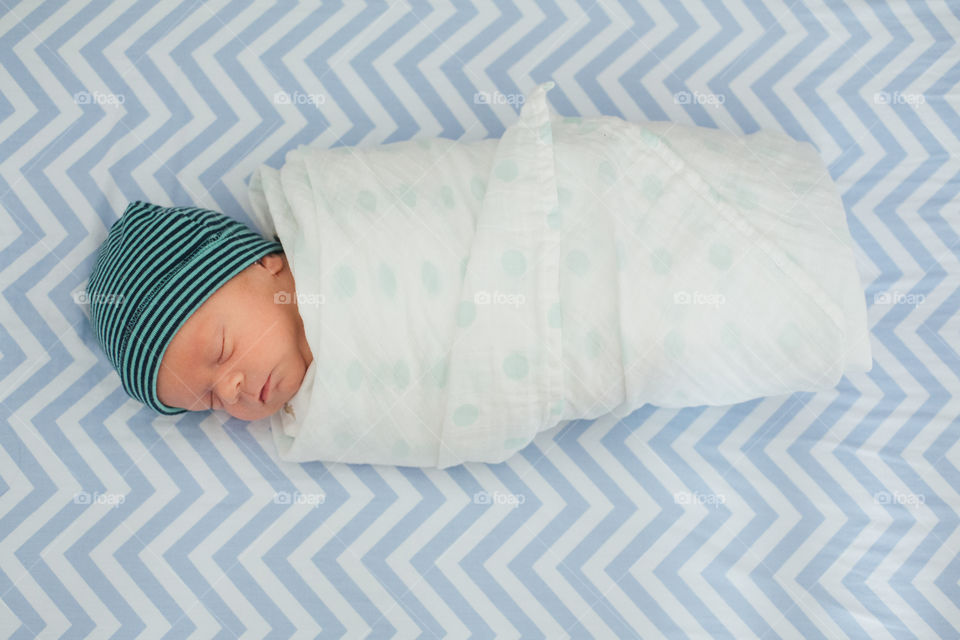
156 267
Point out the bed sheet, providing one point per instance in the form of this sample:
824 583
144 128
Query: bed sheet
826 515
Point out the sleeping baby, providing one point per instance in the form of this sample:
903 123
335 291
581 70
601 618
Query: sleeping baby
205 325
434 302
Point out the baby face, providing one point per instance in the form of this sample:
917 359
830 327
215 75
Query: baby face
239 346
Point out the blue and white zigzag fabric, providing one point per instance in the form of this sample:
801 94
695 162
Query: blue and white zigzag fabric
826 515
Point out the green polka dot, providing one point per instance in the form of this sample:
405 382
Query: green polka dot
790 337
660 261
652 187
465 415
553 218
621 256
513 443
516 366
714 146
673 344
438 372
463 267
388 280
343 440
546 133
424 143
578 262
446 196
557 407
507 170
345 281
565 196
478 187
354 374
730 335
554 316
367 201
430 276
400 449
607 172
792 257
593 343
408 195
649 137
401 374
466 312
641 222
572 120
747 198
720 256
513 262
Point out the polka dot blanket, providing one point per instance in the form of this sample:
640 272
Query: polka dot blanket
460 297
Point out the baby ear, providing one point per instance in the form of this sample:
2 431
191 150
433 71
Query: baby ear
272 262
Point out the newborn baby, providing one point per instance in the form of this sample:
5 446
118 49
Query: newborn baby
231 338
455 298
250 363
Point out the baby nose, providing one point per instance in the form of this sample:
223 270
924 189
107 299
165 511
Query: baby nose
229 388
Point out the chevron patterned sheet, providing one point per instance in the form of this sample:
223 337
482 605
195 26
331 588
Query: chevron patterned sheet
814 515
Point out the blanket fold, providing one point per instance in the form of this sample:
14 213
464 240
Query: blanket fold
460 297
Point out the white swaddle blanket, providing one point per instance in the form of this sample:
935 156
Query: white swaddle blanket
459 297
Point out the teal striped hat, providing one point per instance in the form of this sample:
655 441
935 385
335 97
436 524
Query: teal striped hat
156 267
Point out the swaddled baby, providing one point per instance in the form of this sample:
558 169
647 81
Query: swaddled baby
196 312
454 299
